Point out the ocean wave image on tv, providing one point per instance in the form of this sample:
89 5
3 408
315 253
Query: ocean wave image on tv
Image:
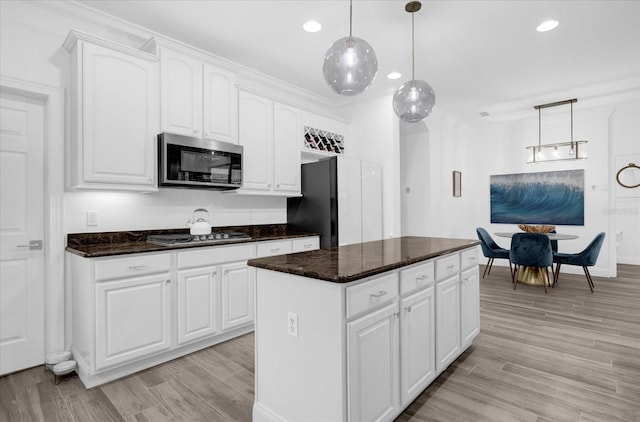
553 197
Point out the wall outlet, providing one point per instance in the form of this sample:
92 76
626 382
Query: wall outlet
92 218
292 324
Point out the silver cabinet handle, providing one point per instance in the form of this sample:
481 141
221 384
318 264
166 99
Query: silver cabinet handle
33 245
422 278
451 267
379 294
275 250
408 308
137 267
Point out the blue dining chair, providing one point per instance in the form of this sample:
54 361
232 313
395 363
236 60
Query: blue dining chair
587 258
491 250
530 250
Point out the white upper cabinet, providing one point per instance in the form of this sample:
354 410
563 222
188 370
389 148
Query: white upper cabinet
287 135
114 108
269 133
256 137
181 93
220 107
197 98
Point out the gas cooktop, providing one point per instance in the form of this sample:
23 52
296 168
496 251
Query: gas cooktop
203 239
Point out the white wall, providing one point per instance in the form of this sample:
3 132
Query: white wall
431 150
625 138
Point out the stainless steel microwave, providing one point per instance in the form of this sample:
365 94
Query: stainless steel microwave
186 162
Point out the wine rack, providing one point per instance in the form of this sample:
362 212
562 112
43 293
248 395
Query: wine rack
323 140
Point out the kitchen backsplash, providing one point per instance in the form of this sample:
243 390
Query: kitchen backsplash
168 209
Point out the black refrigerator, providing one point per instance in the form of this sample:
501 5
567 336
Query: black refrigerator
317 209
341 200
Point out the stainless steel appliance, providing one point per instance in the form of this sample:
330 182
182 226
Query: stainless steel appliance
203 239
186 162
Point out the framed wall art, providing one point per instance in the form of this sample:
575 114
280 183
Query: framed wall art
552 197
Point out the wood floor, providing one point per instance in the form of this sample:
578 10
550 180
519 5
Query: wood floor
569 356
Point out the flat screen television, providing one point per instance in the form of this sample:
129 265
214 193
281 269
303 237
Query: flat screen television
552 197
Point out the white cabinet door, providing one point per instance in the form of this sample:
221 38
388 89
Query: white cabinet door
349 201
447 322
115 123
469 306
371 201
197 303
220 105
180 94
237 295
417 344
286 147
373 366
256 136
132 319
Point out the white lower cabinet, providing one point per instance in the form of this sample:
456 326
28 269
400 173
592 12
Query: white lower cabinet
469 306
198 294
132 319
392 335
417 344
373 363
237 295
134 311
447 322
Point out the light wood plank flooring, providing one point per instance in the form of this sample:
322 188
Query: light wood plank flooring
566 356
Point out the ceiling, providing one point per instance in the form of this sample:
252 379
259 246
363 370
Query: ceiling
479 56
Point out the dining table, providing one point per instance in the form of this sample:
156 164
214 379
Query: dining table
535 275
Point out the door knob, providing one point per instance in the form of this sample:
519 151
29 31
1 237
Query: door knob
33 245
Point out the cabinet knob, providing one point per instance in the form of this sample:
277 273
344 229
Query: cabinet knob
408 308
207 133
195 131
278 185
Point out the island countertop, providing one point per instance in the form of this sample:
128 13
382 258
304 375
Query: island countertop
344 264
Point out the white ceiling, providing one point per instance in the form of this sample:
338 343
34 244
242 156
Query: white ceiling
477 55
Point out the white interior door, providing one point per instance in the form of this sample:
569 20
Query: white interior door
21 224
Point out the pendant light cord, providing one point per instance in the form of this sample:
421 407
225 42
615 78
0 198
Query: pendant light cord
413 49
350 18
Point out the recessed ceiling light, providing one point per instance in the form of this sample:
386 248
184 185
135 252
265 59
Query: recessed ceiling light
312 26
547 25
394 75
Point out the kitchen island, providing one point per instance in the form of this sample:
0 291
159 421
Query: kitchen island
355 333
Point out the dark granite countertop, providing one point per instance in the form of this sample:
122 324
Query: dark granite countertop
101 244
349 263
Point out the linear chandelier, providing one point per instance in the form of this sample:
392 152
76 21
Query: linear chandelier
572 150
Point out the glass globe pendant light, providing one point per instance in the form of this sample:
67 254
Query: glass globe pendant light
414 100
350 64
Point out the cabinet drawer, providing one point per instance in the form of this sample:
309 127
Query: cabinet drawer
370 294
216 255
274 248
447 266
416 277
469 258
305 244
136 265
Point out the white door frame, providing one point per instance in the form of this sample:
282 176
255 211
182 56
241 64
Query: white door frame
54 237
